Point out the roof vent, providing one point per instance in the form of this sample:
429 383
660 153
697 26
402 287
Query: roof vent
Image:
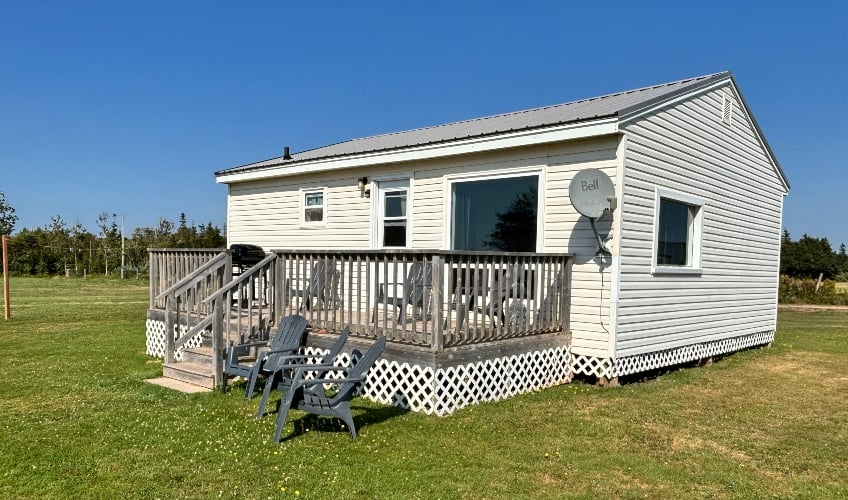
286 154
726 109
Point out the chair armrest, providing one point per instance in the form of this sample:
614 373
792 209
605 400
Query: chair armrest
278 351
312 367
343 380
250 344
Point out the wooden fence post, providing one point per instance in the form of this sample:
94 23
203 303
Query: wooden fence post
6 304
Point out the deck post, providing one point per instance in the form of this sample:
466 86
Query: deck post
438 341
279 284
565 296
169 329
218 341
154 277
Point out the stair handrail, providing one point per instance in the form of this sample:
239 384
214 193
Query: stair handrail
220 268
191 279
208 320
217 301
250 273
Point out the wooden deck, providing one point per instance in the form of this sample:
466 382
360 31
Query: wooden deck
455 306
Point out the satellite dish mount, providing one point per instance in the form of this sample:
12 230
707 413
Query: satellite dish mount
592 194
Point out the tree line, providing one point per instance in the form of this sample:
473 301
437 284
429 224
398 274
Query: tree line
59 248
63 248
810 257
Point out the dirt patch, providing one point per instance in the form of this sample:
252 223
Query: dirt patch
812 307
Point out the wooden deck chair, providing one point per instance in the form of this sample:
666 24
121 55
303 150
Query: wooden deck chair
418 281
322 286
309 395
548 311
282 367
286 340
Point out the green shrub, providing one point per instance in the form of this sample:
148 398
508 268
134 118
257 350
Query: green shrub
803 291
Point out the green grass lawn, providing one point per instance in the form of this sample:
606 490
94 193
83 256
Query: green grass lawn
77 420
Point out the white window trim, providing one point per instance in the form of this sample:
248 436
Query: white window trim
312 224
696 237
450 179
378 184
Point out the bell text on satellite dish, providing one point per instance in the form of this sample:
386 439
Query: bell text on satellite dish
590 192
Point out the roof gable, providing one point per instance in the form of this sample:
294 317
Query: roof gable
617 106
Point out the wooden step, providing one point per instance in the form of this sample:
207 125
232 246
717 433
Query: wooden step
199 356
192 373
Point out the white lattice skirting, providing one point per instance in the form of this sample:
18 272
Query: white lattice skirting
156 339
441 391
445 390
612 367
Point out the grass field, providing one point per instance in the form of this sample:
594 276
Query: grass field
77 420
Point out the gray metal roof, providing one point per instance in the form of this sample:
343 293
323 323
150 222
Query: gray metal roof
611 105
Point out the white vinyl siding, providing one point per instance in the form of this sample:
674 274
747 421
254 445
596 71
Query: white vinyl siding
689 148
266 213
270 213
563 229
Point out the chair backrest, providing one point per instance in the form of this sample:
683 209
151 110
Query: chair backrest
337 346
547 311
347 389
275 363
419 277
289 334
317 275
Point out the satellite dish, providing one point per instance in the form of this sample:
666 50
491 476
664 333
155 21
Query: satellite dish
591 193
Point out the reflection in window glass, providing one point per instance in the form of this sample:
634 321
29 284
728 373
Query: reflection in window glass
495 214
314 207
396 204
674 234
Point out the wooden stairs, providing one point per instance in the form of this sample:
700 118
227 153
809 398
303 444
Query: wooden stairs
195 368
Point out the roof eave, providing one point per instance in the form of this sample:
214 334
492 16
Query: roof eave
597 126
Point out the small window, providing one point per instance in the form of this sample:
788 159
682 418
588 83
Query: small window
394 218
678 233
313 207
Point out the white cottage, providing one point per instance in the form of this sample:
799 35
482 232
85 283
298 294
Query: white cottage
693 233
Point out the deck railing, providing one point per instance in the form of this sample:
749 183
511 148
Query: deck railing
430 299
184 302
169 266
436 299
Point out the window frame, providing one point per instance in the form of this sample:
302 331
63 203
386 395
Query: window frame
694 233
379 187
450 180
304 192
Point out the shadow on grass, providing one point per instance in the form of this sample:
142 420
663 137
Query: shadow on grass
363 416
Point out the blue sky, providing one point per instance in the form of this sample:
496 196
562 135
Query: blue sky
129 107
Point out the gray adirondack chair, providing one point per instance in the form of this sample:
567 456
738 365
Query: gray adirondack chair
322 286
416 287
286 340
282 368
309 396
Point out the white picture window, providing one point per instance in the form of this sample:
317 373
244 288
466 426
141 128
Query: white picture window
314 208
677 233
498 214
